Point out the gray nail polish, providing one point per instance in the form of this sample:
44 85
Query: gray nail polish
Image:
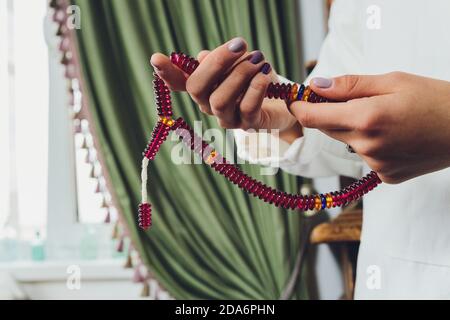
256 57
266 68
236 45
323 83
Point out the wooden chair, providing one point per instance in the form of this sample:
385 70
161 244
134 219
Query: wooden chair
344 233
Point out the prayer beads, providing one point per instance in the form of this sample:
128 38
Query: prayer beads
288 92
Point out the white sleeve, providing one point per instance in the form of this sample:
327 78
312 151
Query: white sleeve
315 154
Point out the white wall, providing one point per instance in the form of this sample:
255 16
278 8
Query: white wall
312 25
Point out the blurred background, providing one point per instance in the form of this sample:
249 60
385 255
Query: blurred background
77 108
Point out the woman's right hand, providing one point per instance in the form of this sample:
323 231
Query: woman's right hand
230 83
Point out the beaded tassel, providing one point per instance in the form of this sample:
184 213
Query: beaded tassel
288 92
145 215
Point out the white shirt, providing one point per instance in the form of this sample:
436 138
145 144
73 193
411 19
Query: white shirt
405 243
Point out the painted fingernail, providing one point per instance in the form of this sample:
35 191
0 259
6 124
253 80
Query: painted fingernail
323 83
256 57
266 68
236 45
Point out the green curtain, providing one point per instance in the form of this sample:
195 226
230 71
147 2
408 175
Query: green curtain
209 240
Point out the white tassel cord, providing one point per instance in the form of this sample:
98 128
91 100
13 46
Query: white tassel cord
144 178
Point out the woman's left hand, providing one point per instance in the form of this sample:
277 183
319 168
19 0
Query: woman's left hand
398 123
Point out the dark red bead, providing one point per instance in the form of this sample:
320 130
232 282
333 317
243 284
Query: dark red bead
272 196
282 94
305 203
295 202
285 201
270 91
250 185
255 189
265 194
298 202
312 202
277 198
276 93
242 181
145 216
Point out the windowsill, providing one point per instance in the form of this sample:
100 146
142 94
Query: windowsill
100 270
99 279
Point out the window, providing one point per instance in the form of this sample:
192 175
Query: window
46 185
24 118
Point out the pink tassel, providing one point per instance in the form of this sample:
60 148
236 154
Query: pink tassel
92 175
59 16
71 97
62 30
104 202
71 71
54 4
115 232
145 290
84 144
64 45
108 217
138 277
88 156
77 126
98 188
67 58
120 245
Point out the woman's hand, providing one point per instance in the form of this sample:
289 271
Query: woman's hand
230 83
398 123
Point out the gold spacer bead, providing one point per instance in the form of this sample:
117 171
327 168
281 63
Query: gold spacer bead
317 203
294 92
329 200
211 157
306 93
167 121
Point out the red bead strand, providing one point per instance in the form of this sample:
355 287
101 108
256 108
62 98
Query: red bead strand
162 97
159 135
279 198
274 91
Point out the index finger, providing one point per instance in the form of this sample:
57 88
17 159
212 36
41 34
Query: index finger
214 65
329 116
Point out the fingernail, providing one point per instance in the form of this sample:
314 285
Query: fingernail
266 68
236 45
323 83
155 67
256 57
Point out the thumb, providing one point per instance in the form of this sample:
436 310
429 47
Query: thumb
173 76
350 87
202 55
